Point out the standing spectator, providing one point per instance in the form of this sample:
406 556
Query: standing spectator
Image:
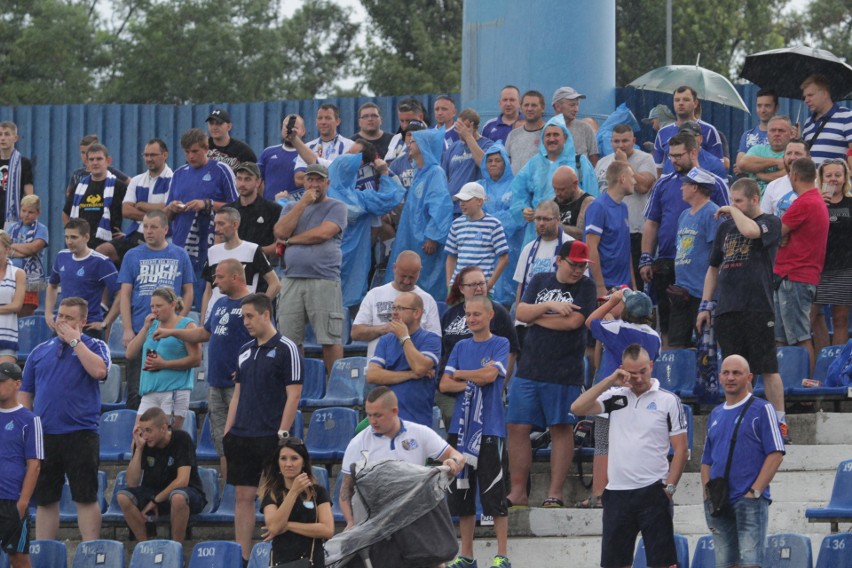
406 359
376 311
658 117
462 158
221 146
257 214
641 483
445 116
167 375
404 166
476 238
522 143
329 144
475 371
296 508
311 230
607 231
800 258
766 106
162 477
277 164
407 110
573 202
686 106
80 173
765 162
151 265
706 160
13 286
84 273
370 127
60 383
828 130
22 450
509 118
16 175
835 285
779 194
269 382
427 213
555 306
566 101
29 240
758 449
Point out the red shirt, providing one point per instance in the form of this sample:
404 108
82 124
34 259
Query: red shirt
802 258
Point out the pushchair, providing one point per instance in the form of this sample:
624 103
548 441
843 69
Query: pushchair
402 519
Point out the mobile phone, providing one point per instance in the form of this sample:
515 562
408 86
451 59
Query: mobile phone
291 123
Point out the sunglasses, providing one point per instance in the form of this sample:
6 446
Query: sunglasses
290 442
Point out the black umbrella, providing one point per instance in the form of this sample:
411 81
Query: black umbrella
785 69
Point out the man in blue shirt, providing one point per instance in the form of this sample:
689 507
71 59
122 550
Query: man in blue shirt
765 108
61 384
405 360
685 104
740 530
278 164
83 273
462 158
509 118
269 382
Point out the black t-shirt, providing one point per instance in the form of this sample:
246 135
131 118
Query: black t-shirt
92 207
160 465
454 328
290 546
381 143
257 220
234 153
80 173
745 266
570 212
552 356
26 179
249 254
838 253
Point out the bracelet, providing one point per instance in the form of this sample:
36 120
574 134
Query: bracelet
645 259
707 306
404 339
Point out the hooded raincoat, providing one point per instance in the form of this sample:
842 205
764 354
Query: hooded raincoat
427 214
361 207
533 184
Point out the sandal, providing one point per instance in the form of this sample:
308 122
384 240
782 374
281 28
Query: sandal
510 505
591 502
552 503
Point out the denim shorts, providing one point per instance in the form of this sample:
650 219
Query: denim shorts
793 311
541 404
739 536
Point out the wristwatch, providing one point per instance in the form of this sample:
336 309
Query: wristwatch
73 343
404 339
753 491
283 434
671 488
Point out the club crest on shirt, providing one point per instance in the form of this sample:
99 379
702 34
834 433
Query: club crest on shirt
10 426
652 406
409 444
554 295
485 360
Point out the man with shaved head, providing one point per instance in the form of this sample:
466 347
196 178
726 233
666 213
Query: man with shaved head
571 199
739 529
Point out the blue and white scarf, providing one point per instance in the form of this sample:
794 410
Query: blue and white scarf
534 250
104 230
470 427
13 190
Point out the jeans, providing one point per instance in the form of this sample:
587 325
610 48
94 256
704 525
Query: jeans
739 536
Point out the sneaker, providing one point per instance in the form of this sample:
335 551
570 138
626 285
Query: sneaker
501 562
785 432
462 562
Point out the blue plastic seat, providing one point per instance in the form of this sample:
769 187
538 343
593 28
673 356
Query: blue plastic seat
205 450
681 544
322 476
705 553
345 385
116 433
99 554
198 395
113 513
835 551
329 433
788 550
113 396
4 560
190 426
313 380
216 554
210 480
676 370
67 508
116 343
154 553
32 330
260 555
840 505
826 357
224 513
48 554
310 344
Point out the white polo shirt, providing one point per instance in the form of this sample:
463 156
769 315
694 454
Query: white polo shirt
414 443
639 432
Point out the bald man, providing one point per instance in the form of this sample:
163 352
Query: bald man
572 200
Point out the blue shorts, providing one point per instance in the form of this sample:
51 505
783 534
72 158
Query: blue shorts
793 311
739 537
541 404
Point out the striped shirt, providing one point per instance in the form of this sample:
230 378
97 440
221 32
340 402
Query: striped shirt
835 138
477 243
329 150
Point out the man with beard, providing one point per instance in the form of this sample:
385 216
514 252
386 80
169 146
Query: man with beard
779 194
370 124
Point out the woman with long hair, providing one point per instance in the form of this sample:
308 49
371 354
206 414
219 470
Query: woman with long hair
296 509
13 286
166 379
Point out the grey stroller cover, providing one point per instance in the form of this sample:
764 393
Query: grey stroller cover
401 516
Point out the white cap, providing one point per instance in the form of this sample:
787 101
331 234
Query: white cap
469 191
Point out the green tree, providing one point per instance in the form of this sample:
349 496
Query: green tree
50 52
412 47
826 24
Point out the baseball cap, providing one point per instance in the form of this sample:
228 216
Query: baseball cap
699 176
637 304
9 371
249 167
414 126
691 127
470 190
565 93
219 114
575 251
317 169
661 113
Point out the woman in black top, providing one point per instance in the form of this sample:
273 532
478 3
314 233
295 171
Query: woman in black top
296 510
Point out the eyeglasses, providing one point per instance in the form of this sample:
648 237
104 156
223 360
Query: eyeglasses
291 441
677 156
540 219
396 309
580 265
474 285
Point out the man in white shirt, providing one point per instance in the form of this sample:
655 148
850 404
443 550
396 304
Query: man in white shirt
779 194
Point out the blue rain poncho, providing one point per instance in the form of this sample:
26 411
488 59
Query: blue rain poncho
361 208
427 214
621 115
499 204
533 184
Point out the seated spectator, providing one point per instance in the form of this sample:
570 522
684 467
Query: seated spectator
162 478
29 240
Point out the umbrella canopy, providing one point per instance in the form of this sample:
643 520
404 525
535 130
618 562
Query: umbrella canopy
785 69
709 85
